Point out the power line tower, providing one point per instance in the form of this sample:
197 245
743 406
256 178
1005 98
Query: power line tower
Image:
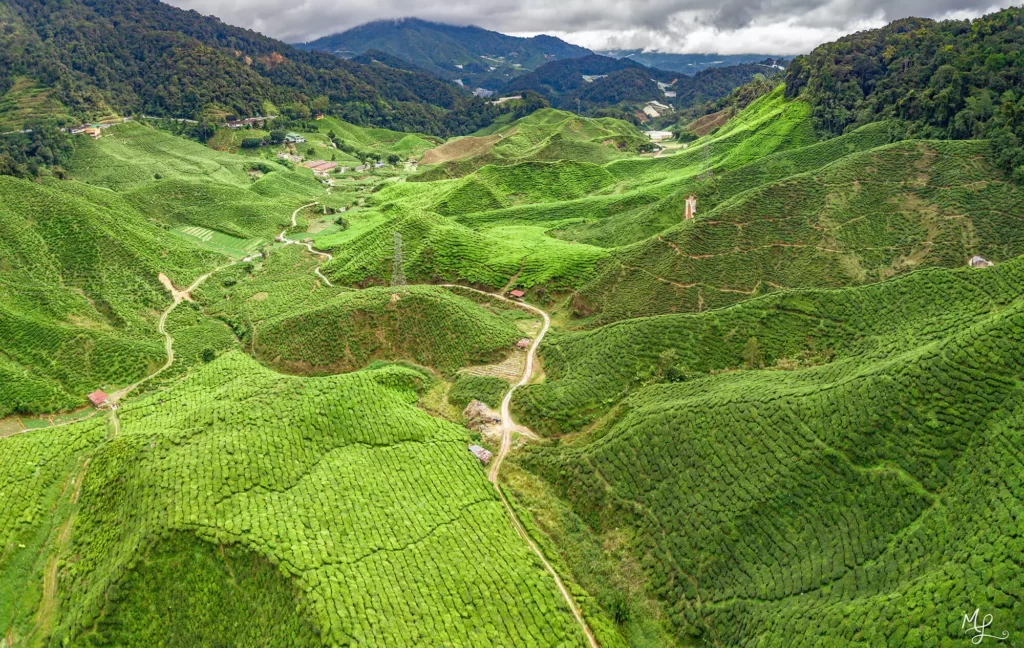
397 273
708 173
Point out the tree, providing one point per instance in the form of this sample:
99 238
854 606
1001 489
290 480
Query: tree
393 159
752 356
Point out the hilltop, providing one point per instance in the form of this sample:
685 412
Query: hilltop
477 57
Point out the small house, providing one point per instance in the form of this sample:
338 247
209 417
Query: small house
98 398
294 138
524 343
517 294
979 262
482 454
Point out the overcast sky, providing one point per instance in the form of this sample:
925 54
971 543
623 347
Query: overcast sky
696 26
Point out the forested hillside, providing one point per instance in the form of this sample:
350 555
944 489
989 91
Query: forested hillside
479 57
624 80
951 79
160 60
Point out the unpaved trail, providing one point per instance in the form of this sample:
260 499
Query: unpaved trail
309 246
177 297
507 426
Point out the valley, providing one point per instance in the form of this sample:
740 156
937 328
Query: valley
330 379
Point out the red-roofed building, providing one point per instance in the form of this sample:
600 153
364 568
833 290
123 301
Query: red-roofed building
98 398
524 343
518 294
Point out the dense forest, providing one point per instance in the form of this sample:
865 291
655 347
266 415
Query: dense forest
146 57
950 79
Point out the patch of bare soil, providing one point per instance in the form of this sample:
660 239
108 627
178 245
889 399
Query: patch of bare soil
707 123
460 149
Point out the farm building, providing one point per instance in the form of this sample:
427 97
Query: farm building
659 136
517 294
524 343
979 262
482 454
651 112
294 138
320 167
98 398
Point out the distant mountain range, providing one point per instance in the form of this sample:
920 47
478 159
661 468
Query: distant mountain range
83 60
473 56
594 81
686 63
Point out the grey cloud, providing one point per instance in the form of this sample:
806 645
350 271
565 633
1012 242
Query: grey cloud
768 26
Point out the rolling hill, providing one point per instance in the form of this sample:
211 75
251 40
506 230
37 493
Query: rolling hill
794 419
773 507
367 491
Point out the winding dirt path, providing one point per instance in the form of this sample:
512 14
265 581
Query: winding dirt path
309 246
177 297
507 427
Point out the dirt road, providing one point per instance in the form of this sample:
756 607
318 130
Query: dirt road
507 427
309 246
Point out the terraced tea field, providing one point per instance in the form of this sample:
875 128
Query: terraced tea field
793 420
225 244
367 492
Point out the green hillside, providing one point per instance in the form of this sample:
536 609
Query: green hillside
863 218
183 183
160 60
367 492
875 492
79 293
543 135
792 420
589 372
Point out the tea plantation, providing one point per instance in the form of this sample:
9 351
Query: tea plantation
373 510
868 501
793 420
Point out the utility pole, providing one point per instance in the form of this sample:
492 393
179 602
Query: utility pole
707 174
578 111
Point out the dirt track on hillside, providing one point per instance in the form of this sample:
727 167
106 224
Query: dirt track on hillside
507 426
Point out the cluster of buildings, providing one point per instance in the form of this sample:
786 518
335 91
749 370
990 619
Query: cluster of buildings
253 122
655 109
